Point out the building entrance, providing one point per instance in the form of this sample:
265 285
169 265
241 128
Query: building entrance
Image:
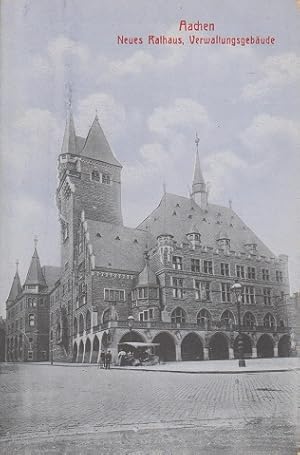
265 347
218 347
167 352
191 347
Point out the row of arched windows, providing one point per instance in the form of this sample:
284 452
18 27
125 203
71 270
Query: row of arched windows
204 318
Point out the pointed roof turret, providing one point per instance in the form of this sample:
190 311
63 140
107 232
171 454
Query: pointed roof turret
16 287
147 277
198 180
35 275
69 141
97 147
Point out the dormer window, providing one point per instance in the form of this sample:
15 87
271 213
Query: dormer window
106 179
95 176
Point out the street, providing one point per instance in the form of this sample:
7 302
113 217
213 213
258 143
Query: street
85 410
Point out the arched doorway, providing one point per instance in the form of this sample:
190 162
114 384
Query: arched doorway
265 347
75 350
96 346
284 346
218 347
80 355
166 350
191 347
87 353
247 347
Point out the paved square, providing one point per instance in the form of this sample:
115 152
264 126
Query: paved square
82 409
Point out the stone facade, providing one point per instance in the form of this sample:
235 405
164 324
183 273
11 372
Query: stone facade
173 273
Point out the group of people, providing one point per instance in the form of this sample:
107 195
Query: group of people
105 359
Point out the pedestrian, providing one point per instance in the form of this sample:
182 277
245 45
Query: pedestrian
102 359
107 360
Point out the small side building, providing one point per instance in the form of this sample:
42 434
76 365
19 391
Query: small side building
27 310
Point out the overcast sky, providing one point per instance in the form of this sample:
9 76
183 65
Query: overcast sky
242 101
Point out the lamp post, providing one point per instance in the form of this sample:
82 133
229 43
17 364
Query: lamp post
130 325
236 289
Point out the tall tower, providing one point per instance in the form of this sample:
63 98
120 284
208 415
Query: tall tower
199 191
89 180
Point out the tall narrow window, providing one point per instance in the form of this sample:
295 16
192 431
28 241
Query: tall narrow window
177 287
226 292
177 262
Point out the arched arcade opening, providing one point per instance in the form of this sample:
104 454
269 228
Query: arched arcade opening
191 347
75 351
166 350
96 346
80 354
284 346
87 353
218 347
265 347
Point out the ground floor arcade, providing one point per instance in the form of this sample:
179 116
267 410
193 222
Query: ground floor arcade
181 345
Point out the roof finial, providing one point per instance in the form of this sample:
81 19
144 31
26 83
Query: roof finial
197 140
230 203
96 116
17 266
35 240
164 187
70 93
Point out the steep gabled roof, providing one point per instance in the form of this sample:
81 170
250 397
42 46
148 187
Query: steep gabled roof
16 288
97 147
118 247
179 212
35 275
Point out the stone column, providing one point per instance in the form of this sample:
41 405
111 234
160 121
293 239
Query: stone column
254 353
231 353
276 350
205 353
178 352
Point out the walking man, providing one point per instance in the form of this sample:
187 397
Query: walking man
108 360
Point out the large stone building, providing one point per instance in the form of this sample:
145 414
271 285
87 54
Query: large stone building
27 313
173 273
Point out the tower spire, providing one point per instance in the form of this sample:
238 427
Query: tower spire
16 287
35 275
199 192
69 141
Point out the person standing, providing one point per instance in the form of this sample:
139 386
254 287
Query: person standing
107 360
102 359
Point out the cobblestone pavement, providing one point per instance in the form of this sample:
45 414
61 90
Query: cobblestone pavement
79 410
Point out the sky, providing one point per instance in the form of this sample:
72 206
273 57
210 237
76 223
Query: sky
243 101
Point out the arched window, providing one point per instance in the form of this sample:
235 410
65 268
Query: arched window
178 316
227 319
88 320
31 320
106 316
269 321
95 175
204 318
249 320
